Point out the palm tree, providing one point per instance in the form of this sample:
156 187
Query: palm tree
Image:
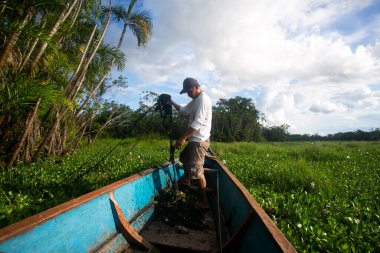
28 127
60 111
15 16
16 26
138 21
22 100
105 57
61 42
62 17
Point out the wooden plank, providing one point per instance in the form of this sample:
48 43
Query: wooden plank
126 229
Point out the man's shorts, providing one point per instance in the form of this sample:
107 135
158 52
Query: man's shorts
193 158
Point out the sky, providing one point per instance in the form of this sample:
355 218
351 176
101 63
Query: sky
311 64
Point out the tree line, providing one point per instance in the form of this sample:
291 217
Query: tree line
54 66
358 135
234 119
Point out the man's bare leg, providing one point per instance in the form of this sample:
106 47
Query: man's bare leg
202 191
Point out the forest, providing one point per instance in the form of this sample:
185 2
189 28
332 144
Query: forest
54 68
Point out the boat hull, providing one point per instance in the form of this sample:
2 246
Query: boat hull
90 223
87 224
245 225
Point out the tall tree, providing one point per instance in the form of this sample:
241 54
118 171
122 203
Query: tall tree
53 66
139 22
60 111
276 133
236 119
62 17
31 105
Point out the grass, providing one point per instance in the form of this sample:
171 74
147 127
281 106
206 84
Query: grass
33 188
324 196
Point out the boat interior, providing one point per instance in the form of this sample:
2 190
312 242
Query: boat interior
176 227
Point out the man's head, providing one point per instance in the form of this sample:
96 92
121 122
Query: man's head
191 87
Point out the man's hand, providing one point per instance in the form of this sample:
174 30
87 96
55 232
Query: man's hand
176 106
184 137
180 143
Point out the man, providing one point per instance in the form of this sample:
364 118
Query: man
198 134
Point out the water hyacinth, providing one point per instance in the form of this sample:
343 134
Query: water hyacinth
299 168
280 176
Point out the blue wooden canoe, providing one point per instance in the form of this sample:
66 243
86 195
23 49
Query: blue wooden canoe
115 218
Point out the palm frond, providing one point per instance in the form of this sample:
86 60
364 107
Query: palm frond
141 26
33 31
21 94
57 67
120 60
119 13
106 53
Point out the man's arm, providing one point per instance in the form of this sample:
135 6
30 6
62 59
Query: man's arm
176 106
184 137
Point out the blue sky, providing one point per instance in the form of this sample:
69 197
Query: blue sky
312 64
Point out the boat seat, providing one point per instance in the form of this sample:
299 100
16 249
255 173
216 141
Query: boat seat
209 170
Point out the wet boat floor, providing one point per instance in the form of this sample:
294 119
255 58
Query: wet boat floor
178 226
179 238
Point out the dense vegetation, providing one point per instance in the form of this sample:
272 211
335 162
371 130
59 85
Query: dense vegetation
358 135
29 189
324 196
53 70
234 119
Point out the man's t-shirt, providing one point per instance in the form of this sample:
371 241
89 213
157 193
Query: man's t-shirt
200 115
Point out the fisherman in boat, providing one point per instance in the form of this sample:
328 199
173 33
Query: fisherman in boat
193 155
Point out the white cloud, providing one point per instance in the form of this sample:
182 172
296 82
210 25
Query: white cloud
234 46
375 50
328 107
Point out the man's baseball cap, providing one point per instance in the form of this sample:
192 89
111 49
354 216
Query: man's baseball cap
188 83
